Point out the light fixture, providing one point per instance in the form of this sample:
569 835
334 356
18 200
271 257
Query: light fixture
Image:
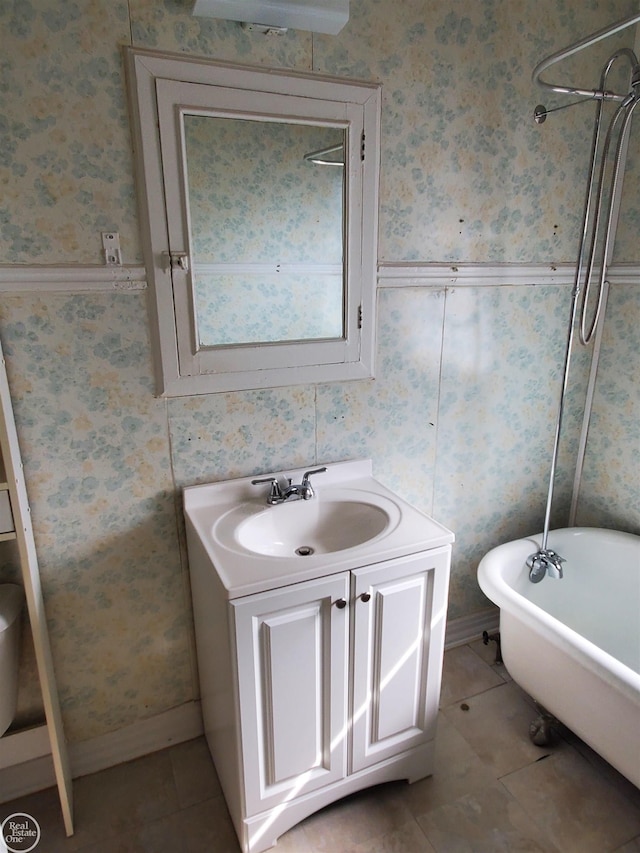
316 16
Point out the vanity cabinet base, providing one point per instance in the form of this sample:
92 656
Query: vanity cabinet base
316 690
261 832
319 677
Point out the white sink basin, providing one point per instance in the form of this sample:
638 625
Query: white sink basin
352 520
321 525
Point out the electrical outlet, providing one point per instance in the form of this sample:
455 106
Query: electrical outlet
111 248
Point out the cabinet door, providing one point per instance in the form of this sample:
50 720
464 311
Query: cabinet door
292 651
399 612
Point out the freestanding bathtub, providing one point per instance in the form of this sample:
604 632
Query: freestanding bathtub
574 644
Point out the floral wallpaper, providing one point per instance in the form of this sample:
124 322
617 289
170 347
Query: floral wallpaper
233 162
261 306
255 200
460 416
610 488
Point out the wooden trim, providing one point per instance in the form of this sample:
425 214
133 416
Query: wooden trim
70 279
491 275
26 745
84 279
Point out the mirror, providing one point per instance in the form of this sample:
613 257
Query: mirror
266 230
258 191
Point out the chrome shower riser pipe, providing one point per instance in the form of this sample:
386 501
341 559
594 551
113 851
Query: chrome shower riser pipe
543 561
572 318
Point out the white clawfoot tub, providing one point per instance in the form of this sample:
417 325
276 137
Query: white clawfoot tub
574 644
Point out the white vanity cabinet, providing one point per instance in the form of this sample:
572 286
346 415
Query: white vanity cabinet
338 675
399 612
293 658
314 687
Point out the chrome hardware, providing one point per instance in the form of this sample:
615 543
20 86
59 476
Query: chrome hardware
578 46
283 490
365 597
278 488
544 562
597 238
341 604
306 490
541 112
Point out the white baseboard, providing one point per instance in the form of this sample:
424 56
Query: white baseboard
25 745
33 771
174 726
25 760
469 628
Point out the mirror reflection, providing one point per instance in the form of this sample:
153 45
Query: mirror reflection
266 209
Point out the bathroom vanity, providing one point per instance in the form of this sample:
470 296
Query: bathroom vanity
320 631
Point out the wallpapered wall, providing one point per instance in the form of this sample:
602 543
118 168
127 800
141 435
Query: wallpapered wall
460 415
283 209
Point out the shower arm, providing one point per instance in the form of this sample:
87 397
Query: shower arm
598 94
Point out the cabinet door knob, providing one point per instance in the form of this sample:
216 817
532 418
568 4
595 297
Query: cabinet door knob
365 596
341 604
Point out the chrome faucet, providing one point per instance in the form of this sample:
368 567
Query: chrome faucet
544 562
283 490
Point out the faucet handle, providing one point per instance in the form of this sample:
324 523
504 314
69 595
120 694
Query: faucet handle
307 474
276 493
305 487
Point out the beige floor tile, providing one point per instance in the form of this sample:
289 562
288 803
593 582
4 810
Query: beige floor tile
206 827
632 846
465 674
458 771
488 655
580 809
129 795
496 725
627 788
488 821
106 804
358 819
294 841
44 807
203 828
194 773
406 839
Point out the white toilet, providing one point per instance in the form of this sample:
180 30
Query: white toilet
11 603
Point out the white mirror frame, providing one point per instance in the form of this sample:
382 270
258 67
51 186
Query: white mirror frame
182 368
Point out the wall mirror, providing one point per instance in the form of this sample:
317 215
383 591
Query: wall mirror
258 194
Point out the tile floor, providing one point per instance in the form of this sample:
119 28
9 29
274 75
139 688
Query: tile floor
492 791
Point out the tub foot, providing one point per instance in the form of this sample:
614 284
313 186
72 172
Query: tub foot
542 729
487 638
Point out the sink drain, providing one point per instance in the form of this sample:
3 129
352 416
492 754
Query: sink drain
304 551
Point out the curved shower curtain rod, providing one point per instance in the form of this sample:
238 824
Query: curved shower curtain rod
598 94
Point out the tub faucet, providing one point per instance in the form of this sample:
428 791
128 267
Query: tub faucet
545 562
282 489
